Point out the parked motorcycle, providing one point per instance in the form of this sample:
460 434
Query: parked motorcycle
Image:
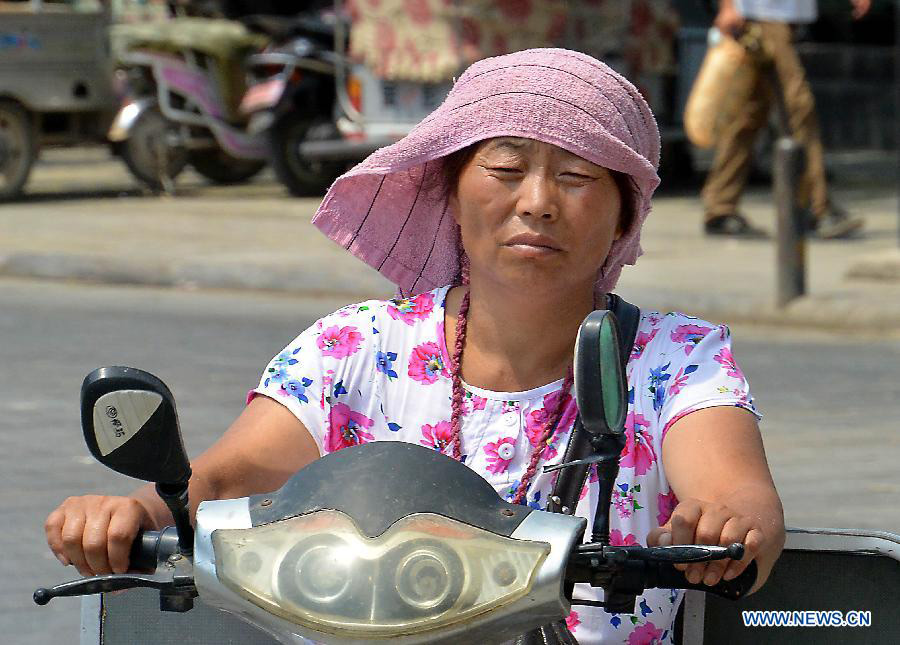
323 111
183 80
291 97
347 552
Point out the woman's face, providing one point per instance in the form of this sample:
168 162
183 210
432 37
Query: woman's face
535 216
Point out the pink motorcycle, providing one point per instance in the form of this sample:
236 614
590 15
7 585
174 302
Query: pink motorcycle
182 82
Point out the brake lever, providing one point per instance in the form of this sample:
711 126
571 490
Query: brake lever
103 584
175 583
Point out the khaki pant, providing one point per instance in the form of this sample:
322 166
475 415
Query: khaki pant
726 179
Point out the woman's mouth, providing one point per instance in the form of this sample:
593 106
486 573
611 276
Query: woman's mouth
533 244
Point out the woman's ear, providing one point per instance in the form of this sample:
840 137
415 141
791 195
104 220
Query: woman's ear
623 216
619 230
621 222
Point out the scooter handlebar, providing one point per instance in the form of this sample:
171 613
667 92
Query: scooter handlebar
664 574
152 548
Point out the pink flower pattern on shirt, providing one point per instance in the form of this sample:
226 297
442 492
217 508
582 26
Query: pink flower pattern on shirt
726 359
426 363
410 310
496 463
690 335
681 379
437 436
666 504
339 342
638 452
350 368
617 539
474 403
593 478
346 428
646 634
624 501
641 341
536 420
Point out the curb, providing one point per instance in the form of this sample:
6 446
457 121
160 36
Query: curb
836 314
296 278
845 314
882 267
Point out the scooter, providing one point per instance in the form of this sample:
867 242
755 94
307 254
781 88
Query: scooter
291 97
326 558
181 83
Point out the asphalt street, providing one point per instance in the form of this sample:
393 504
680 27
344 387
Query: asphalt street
830 403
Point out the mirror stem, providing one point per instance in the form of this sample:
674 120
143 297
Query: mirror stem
608 447
176 498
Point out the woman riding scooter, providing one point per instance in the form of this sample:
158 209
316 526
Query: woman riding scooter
504 217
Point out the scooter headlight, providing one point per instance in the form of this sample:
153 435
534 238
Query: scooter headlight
423 573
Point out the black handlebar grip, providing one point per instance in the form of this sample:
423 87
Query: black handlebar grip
150 548
667 576
142 556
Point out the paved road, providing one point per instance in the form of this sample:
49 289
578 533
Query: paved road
831 405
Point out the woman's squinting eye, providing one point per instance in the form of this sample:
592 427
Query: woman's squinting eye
578 176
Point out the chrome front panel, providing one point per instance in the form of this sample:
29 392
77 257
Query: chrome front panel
543 604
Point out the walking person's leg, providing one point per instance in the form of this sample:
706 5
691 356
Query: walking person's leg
826 219
733 158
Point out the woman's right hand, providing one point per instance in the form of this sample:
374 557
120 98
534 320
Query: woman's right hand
261 450
95 532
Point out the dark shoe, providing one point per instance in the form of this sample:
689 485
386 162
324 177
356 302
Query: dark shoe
835 224
733 225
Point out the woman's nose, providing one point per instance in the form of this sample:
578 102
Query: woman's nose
537 196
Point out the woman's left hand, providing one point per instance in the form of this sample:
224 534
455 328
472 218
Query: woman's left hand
696 521
716 467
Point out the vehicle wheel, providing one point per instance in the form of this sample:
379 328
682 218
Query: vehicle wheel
303 177
149 151
18 148
221 168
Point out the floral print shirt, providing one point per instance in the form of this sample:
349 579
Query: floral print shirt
379 370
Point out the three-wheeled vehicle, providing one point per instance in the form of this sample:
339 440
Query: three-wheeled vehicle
55 81
343 554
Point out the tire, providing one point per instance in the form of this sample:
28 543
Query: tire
18 149
302 177
221 168
146 143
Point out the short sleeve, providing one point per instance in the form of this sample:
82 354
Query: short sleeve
702 373
304 375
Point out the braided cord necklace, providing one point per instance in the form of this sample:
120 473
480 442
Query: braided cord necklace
547 431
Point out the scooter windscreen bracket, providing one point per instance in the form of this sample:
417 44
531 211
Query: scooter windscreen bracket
599 381
130 425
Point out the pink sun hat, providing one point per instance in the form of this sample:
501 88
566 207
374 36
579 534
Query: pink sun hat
388 212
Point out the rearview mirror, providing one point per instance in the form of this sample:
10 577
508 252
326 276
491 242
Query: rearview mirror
599 376
130 425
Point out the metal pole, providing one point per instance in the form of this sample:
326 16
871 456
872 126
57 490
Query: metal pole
790 243
897 100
